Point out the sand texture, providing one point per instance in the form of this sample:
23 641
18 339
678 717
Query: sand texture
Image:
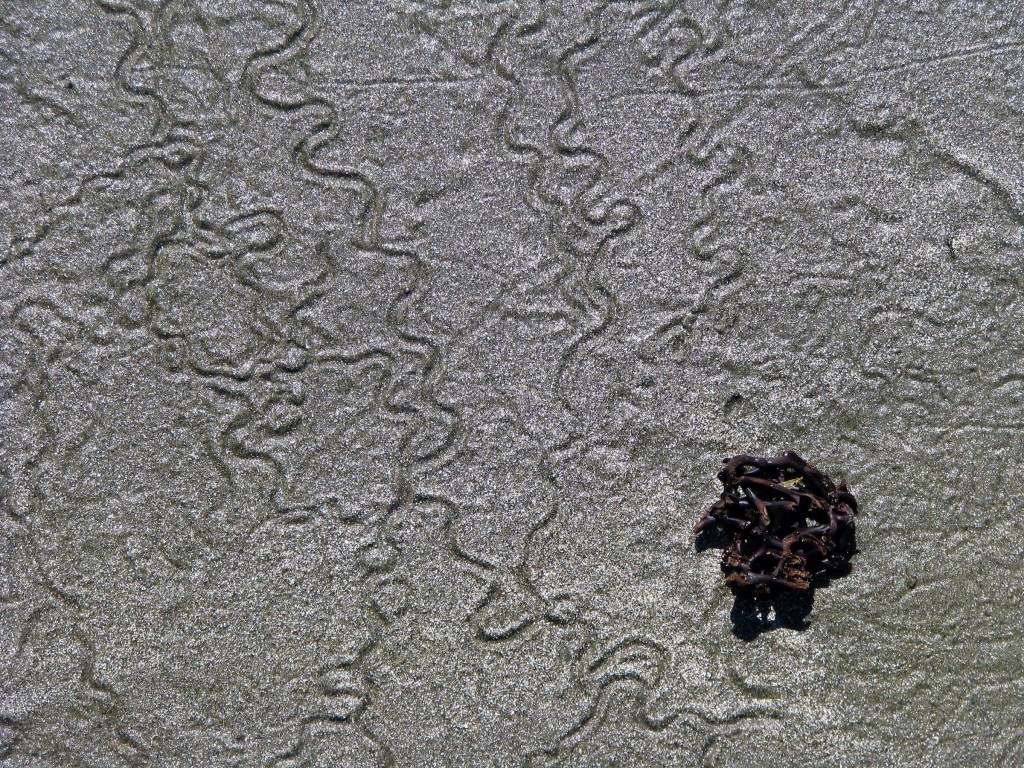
365 367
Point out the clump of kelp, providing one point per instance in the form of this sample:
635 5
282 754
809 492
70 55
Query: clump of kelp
790 526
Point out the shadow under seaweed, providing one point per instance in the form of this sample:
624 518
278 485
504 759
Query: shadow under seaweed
751 616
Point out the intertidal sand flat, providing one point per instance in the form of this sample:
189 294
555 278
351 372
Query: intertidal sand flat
365 366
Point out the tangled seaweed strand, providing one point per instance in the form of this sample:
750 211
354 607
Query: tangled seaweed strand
789 524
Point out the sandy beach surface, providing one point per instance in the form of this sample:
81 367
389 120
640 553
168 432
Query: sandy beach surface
365 367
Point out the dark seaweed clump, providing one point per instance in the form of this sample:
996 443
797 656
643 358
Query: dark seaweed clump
790 526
